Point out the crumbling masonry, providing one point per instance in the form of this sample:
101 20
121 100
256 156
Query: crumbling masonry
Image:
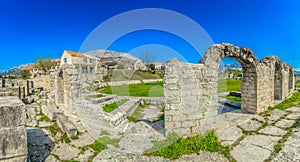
191 89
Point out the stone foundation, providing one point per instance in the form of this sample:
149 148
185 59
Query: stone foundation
13 135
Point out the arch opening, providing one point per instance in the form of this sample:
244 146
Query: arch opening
229 85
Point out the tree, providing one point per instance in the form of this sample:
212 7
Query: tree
25 74
152 66
44 63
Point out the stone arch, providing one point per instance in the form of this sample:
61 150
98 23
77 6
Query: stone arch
249 62
191 89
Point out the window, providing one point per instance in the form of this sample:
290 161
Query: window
84 70
65 60
91 69
84 60
91 60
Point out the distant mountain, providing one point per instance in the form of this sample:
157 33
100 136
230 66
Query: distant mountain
120 57
16 70
234 66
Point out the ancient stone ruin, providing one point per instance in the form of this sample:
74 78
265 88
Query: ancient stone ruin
191 89
13 135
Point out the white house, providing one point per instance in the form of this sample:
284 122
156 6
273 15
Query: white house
158 65
84 63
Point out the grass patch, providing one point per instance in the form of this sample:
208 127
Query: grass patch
111 107
154 89
109 141
233 98
54 129
100 145
290 102
298 84
180 146
69 161
124 75
104 133
229 85
44 118
97 96
65 138
137 113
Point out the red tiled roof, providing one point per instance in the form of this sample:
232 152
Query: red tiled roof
76 54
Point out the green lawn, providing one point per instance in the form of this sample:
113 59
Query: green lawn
111 107
233 98
290 102
298 84
123 75
154 89
229 85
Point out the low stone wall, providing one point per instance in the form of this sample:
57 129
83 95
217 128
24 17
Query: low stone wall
67 126
42 81
13 135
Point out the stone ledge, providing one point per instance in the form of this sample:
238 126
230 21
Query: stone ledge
67 126
51 112
12 112
13 143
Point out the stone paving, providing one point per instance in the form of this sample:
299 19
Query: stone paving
262 135
251 137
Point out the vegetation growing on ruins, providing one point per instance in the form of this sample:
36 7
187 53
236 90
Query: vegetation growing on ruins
294 100
138 90
100 144
124 75
174 146
137 113
111 107
229 85
233 98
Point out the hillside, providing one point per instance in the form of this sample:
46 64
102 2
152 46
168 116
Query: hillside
16 70
120 57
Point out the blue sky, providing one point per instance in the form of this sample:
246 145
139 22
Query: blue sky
32 28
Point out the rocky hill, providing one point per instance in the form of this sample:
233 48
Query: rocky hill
120 57
16 70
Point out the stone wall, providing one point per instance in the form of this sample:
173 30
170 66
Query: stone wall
13 135
190 96
65 86
42 81
16 87
191 89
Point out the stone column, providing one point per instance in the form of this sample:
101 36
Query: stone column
31 84
3 82
20 92
13 136
27 87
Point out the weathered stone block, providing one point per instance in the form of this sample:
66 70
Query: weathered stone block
67 126
12 112
51 112
13 143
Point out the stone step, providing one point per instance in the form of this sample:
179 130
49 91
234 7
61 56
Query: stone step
51 112
102 100
233 104
67 126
